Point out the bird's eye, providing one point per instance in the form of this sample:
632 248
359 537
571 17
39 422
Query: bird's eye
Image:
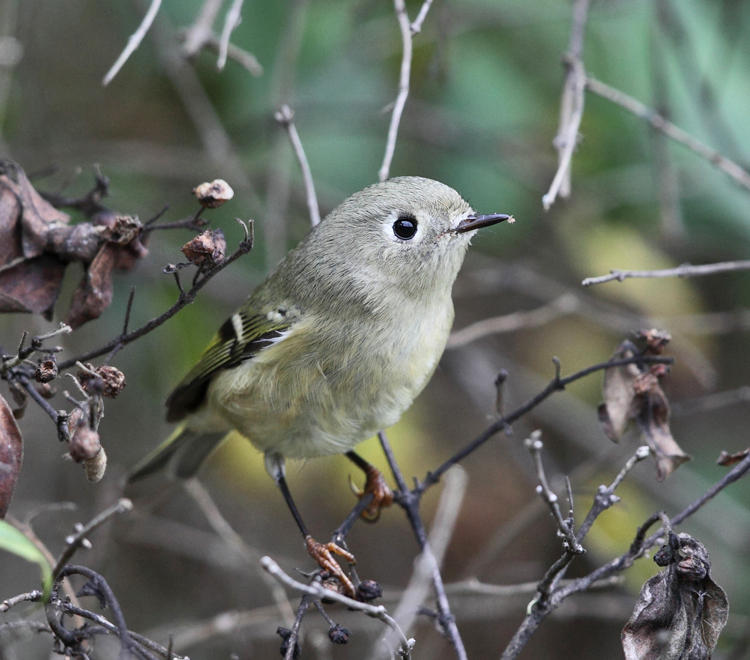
405 227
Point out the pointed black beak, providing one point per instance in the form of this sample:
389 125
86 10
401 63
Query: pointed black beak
472 222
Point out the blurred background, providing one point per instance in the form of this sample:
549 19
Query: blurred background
481 116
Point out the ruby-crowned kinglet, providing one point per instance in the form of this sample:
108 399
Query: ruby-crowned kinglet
338 341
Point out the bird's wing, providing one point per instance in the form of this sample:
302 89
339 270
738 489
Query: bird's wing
239 338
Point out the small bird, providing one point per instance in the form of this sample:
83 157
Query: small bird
334 345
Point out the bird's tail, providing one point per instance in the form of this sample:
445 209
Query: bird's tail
184 451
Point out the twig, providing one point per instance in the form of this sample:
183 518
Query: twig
285 116
403 88
639 545
231 21
534 445
555 385
316 590
184 299
736 172
409 499
565 304
431 559
32 596
243 57
202 28
291 640
73 543
133 42
571 106
686 270
416 25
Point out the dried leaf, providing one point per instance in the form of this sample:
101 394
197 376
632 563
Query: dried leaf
11 455
32 286
633 393
94 293
680 612
730 459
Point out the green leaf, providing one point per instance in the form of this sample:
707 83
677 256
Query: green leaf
16 543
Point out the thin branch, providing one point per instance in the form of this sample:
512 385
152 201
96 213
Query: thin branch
243 57
403 88
571 106
316 590
409 500
231 21
555 385
285 117
431 559
133 42
184 299
736 172
76 541
416 25
686 270
565 304
201 30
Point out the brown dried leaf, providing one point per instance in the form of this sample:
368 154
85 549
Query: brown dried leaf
618 393
94 293
730 459
32 286
207 249
11 455
680 612
653 420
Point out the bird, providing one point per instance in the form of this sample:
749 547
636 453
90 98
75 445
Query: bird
334 345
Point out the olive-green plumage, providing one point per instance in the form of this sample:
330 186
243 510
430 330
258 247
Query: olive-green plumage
338 341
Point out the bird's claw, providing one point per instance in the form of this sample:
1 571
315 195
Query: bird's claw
375 484
323 553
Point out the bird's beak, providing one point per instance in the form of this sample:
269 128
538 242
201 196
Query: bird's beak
473 221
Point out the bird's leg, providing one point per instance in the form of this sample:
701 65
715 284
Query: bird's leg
322 553
374 484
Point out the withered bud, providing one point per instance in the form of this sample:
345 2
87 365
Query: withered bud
84 443
368 590
96 467
338 634
206 249
46 371
105 380
121 229
655 340
285 635
212 194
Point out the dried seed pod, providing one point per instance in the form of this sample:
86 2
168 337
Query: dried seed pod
121 229
96 467
105 380
338 634
84 443
368 590
46 371
206 249
212 194
113 380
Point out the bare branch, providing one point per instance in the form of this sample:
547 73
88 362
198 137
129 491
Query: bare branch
285 116
316 590
403 88
416 25
133 42
686 270
231 21
202 28
736 172
571 106
73 543
565 304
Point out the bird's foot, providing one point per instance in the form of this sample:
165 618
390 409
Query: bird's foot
375 484
323 553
